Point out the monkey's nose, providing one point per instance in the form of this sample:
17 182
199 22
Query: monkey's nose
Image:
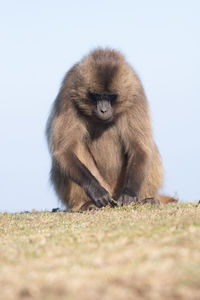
103 110
103 106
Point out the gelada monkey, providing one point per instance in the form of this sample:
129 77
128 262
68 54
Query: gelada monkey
100 137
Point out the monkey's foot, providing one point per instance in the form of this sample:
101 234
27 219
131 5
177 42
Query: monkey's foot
88 206
126 200
151 201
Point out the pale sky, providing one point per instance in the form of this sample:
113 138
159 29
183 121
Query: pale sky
40 40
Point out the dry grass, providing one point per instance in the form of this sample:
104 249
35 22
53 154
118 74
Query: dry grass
124 253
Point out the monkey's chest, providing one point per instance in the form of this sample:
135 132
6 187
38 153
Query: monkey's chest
109 158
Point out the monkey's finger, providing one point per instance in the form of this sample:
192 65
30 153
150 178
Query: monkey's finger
135 199
104 201
120 201
113 202
98 203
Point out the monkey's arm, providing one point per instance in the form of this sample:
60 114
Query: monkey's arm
137 144
71 166
66 152
137 164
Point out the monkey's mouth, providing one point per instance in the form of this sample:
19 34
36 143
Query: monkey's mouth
107 120
104 118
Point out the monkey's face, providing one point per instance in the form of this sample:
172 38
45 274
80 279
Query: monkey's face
103 86
102 106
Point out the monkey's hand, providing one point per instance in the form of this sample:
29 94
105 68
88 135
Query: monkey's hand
101 197
104 200
127 198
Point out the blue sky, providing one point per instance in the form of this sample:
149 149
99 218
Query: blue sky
40 40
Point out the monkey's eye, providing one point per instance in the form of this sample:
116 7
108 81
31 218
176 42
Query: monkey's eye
95 96
112 97
98 97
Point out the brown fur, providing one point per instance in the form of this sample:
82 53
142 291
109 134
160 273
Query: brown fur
120 154
164 199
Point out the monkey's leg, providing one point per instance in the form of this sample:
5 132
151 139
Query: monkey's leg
159 199
86 158
153 182
72 167
71 194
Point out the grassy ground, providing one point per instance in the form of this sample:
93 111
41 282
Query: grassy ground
123 253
